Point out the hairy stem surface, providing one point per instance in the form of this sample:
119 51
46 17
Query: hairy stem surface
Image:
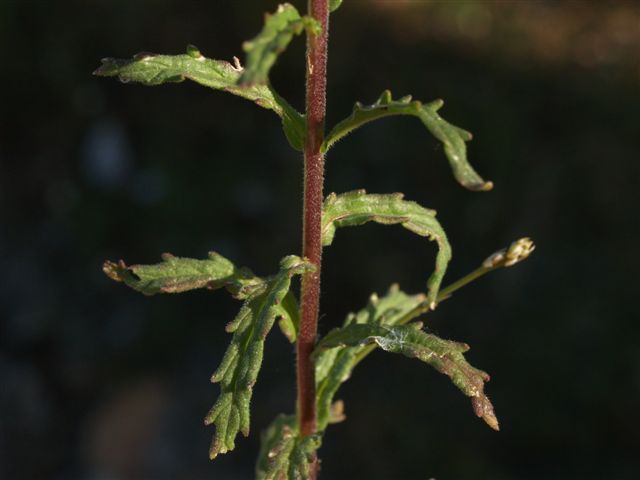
312 213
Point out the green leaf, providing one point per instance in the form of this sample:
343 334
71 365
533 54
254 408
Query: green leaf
334 5
284 455
239 368
334 366
264 49
358 207
290 319
153 69
409 340
452 137
175 275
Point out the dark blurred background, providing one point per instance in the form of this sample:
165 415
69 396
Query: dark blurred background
98 382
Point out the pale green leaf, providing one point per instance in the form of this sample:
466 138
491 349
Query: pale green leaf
334 5
334 366
359 207
453 138
176 274
239 368
409 340
263 50
153 69
284 455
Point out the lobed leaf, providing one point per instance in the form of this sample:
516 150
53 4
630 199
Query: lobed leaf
277 33
409 340
239 368
359 207
453 138
176 274
334 366
284 455
153 69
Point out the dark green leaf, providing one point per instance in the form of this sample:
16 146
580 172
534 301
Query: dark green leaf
239 368
264 49
175 274
334 366
358 207
153 69
334 5
452 137
284 455
409 340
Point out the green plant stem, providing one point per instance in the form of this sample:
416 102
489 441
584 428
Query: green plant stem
424 307
312 215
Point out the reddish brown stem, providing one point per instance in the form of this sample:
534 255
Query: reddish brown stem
312 213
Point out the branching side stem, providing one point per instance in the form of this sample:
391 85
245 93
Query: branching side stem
424 307
312 214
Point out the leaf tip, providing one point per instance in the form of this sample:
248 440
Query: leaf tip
114 270
194 52
385 98
437 104
106 67
484 409
216 448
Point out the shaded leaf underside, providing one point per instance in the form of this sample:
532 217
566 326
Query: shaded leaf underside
453 138
359 207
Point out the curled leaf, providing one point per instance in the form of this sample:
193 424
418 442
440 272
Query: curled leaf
263 50
359 207
453 138
177 274
409 340
153 69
